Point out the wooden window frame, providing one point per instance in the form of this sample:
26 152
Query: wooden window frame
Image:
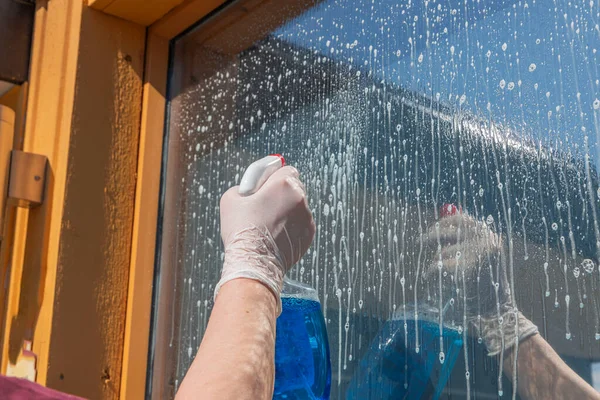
80 267
145 227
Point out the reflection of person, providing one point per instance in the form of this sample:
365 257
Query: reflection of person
264 235
469 259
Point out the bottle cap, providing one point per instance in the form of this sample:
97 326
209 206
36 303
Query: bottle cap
280 157
448 210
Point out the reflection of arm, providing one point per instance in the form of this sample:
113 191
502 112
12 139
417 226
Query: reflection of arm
236 357
542 374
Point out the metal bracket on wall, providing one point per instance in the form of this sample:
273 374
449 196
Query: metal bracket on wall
27 182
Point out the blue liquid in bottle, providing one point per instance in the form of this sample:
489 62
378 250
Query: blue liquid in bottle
302 366
392 368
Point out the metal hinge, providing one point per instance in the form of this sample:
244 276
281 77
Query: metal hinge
27 182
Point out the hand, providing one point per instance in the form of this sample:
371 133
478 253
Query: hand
266 233
470 258
466 248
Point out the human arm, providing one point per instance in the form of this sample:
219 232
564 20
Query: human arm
471 257
542 374
235 360
264 235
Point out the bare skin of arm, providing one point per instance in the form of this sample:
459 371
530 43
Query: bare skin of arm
542 374
236 357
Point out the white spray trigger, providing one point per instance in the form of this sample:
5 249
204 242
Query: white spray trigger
258 172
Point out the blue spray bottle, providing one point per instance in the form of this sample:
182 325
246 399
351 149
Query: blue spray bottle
400 366
302 364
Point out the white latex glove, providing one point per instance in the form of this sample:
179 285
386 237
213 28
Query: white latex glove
264 234
469 250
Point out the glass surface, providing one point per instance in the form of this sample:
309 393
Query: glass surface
390 109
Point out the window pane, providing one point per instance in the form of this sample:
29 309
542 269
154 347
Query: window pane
391 109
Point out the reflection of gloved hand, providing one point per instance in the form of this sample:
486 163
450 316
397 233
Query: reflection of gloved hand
266 233
469 257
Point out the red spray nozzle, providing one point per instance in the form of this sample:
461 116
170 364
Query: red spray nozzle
280 157
448 210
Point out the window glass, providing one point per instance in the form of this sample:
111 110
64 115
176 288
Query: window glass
391 109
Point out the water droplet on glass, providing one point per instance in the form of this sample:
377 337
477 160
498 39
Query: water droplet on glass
532 67
554 226
587 265
442 357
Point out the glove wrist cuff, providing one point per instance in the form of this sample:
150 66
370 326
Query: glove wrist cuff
253 254
502 332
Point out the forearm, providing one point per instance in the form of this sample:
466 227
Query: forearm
236 357
542 374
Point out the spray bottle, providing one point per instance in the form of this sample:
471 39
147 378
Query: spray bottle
410 358
302 365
